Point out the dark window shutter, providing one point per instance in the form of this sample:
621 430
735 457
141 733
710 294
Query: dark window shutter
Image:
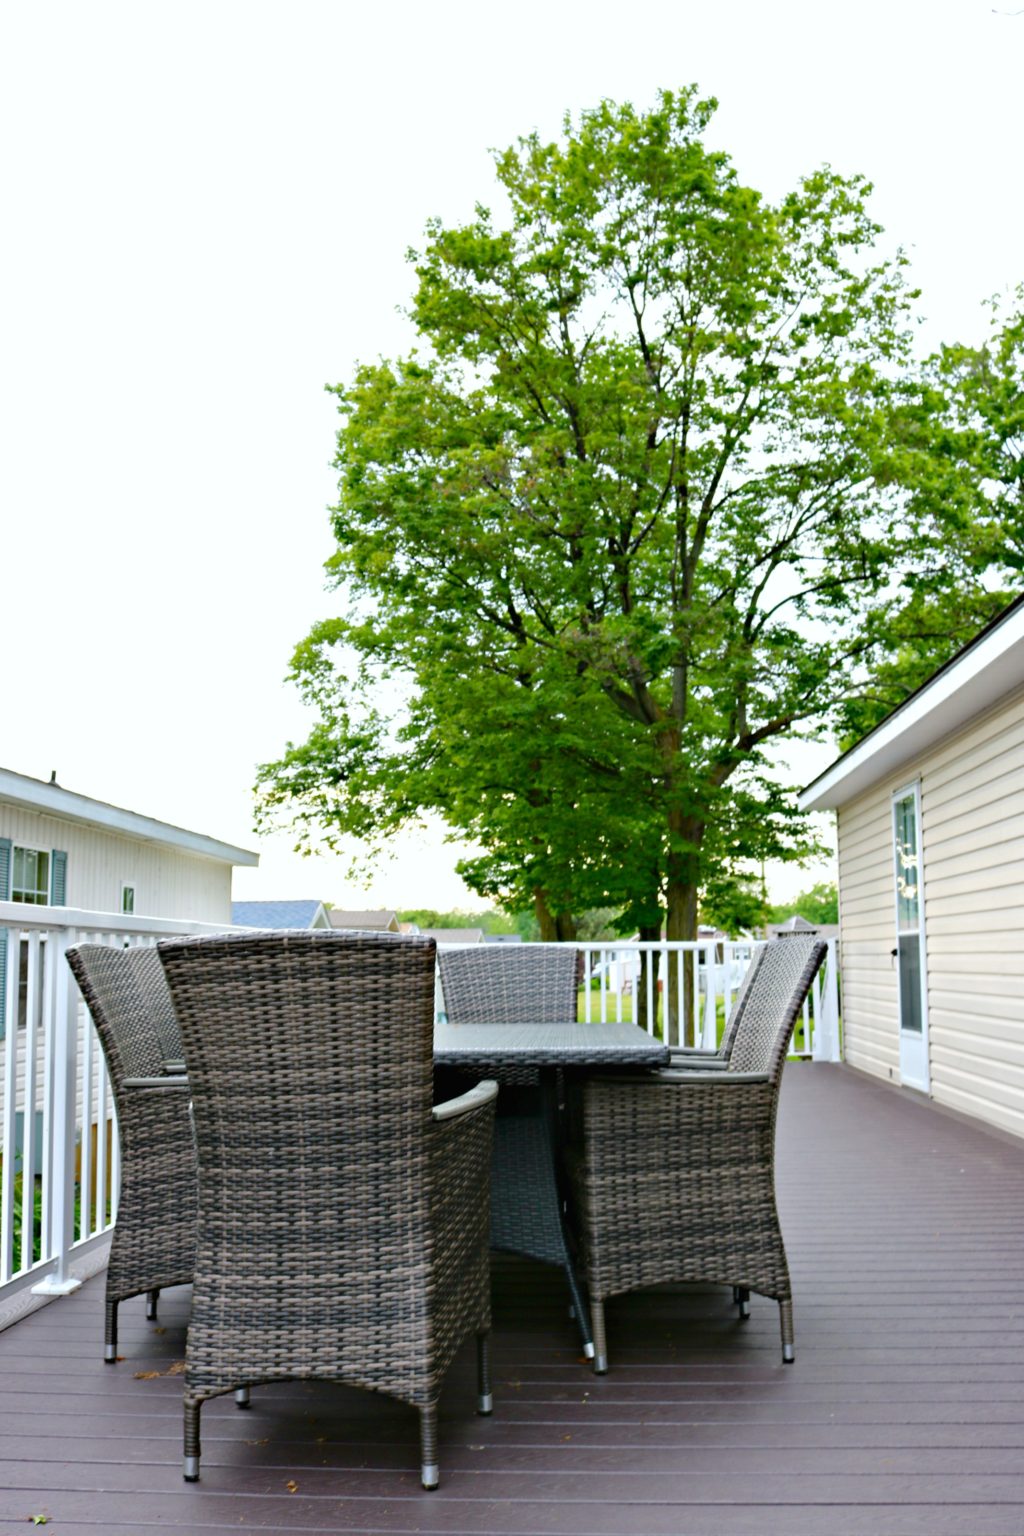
58 879
5 895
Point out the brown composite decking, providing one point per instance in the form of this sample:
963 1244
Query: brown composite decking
904 1412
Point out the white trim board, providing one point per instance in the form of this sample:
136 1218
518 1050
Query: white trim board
987 671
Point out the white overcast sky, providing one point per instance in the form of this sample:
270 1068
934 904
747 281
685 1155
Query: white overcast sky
206 208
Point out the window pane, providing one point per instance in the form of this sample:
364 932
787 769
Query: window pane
127 898
908 891
31 881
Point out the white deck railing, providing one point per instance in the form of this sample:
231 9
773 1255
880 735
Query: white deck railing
58 1134
698 980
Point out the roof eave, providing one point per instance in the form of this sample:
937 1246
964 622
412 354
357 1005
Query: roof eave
65 805
976 680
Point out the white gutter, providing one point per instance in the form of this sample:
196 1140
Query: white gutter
984 673
51 800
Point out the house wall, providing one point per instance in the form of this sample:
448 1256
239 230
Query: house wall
168 883
972 825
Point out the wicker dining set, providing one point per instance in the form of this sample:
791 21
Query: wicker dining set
329 1168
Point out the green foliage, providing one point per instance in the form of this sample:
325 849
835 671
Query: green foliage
490 922
632 512
820 904
956 444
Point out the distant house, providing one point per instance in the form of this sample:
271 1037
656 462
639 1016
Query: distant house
930 809
377 921
454 935
798 924
279 914
62 849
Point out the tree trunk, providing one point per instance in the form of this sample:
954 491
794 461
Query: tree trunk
648 977
681 926
555 927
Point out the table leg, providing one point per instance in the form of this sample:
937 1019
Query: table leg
527 1190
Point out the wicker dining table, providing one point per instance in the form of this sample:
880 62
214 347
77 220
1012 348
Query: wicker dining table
529 1197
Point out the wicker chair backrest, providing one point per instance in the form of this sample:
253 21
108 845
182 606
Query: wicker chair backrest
773 1003
310 1065
127 995
740 1001
510 983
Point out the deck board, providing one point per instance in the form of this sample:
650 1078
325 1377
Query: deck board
903 1415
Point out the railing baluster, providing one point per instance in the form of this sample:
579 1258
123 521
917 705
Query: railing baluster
9 937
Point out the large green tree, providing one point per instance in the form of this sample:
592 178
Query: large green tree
616 525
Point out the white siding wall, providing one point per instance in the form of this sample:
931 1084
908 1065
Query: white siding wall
167 883
972 813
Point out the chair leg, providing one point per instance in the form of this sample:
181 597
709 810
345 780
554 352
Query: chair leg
152 1297
192 1450
429 1469
110 1333
742 1298
600 1337
788 1336
484 1396
242 1397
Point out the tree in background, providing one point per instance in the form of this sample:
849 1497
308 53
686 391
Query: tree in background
819 904
615 528
956 444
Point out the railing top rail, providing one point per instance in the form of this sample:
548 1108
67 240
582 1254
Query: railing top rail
25 915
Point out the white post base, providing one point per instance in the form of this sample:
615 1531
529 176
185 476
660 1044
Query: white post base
51 1286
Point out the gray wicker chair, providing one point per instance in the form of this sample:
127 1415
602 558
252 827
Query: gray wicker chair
690 1056
154 1237
675 1179
342 1231
521 984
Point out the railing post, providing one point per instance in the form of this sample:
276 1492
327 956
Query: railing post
826 1022
61 1114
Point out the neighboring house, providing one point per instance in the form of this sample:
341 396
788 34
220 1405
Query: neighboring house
61 849
798 924
454 935
279 914
930 810
58 848
377 921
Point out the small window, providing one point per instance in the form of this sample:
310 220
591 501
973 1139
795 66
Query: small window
30 876
127 898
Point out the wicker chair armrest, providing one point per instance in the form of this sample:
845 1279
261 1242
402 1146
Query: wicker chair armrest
158 1084
474 1098
689 1059
175 1068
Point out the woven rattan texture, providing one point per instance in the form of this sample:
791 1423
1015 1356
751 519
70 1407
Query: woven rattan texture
675 1179
342 1232
510 984
154 1238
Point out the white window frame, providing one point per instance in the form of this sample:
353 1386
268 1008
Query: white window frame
47 854
914 1048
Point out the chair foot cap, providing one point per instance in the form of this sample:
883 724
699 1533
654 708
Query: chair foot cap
242 1398
588 1351
430 1475
110 1354
191 1469
485 1403
744 1311
600 1365
788 1354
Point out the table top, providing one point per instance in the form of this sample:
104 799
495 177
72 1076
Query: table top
546 1045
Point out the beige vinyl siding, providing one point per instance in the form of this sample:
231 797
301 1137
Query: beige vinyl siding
168 883
972 832
867 925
